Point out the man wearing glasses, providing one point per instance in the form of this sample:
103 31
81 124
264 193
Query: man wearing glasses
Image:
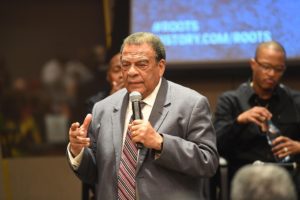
176 150
241 115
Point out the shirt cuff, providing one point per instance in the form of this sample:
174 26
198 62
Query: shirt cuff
75 161
156 155
158 152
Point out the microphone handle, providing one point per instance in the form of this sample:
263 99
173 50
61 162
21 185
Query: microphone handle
137 114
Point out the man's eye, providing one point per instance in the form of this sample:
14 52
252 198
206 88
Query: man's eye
266 67
142 65
125 65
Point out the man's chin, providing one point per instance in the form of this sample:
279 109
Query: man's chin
269 87
132 89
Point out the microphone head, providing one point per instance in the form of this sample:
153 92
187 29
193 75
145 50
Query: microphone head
135 96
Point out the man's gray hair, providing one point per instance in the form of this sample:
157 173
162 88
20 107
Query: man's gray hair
140 38
263 182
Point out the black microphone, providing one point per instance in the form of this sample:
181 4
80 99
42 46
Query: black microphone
135 98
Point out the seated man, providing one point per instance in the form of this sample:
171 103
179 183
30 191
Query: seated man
241 115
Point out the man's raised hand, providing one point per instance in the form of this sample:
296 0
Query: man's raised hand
78 135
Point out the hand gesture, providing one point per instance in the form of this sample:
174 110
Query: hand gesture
143 132
78 135
258 115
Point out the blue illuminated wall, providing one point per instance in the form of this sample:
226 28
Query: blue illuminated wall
198 31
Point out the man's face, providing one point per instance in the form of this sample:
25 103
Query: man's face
268 68
114 75
141 71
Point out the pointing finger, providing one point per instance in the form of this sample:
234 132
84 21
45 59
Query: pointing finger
86 122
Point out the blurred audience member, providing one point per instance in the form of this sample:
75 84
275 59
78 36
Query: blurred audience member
52 75
21 132
263 182
114 77
242 115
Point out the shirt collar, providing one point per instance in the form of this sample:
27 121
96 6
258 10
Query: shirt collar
252 95
150 99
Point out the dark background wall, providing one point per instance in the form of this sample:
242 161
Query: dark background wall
33 31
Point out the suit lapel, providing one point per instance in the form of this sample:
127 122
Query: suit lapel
118 121
158 114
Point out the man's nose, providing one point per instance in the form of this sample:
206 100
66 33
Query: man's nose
120 75
272 72
132 70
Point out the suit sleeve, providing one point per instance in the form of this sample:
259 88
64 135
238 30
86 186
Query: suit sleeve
87 170
193 151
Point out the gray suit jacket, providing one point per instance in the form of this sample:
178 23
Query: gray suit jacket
189 153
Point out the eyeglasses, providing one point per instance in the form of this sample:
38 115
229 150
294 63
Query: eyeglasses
140 66
268 68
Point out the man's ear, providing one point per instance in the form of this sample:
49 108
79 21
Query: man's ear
162 67
252 63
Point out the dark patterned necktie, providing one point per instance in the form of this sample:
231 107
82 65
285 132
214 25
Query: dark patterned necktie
127 170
